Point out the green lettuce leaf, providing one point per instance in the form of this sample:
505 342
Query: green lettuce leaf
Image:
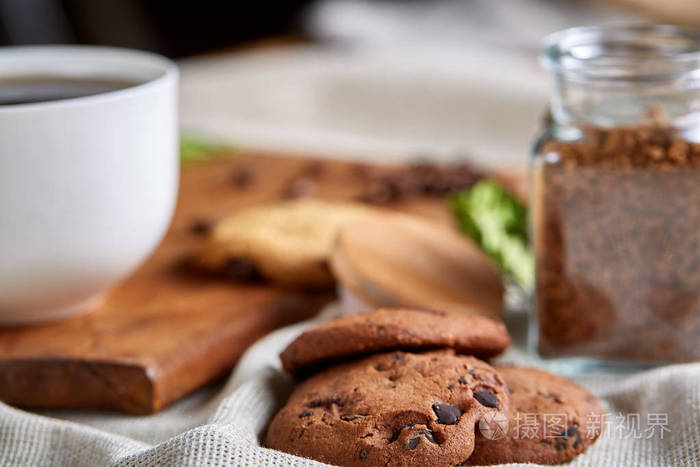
196 149
497 222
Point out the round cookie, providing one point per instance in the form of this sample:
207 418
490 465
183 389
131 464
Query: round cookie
552 420
390 409
288 242
389 329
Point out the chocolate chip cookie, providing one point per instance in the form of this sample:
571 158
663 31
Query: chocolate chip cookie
390 409
552 420
394 329
287 242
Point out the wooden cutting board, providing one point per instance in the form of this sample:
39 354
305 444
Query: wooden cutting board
165 331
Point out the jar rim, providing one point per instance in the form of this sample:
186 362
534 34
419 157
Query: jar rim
628 51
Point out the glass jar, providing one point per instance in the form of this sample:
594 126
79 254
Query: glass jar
616 196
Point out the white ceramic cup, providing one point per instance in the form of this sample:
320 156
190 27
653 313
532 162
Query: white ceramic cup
87 184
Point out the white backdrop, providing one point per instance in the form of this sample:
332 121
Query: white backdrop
442 79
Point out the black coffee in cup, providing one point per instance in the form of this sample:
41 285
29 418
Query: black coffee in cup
37 88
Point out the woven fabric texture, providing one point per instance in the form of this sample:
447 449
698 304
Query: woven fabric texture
654 420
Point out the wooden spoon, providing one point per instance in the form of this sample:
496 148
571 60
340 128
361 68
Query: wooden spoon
403 260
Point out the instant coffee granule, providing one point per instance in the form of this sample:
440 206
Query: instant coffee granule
616 218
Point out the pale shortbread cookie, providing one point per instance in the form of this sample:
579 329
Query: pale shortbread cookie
288 242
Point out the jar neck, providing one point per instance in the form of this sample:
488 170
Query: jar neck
578 103
624 76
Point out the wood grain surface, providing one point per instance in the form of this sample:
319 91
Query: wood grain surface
165 331
438 266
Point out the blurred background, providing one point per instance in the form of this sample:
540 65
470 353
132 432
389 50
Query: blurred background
382 80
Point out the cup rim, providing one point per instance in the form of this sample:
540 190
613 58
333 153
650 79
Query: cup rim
168 73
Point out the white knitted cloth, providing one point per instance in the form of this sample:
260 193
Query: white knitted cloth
221 425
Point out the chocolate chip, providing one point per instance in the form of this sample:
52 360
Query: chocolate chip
364 454
451 387
241 269
313 169
349 418
326 403
305 413
392 185
462 380
428 435
381 191
398 431
572 432
486 398
446 414
300 188
361 171
201 226
413 442
398 356
242 177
